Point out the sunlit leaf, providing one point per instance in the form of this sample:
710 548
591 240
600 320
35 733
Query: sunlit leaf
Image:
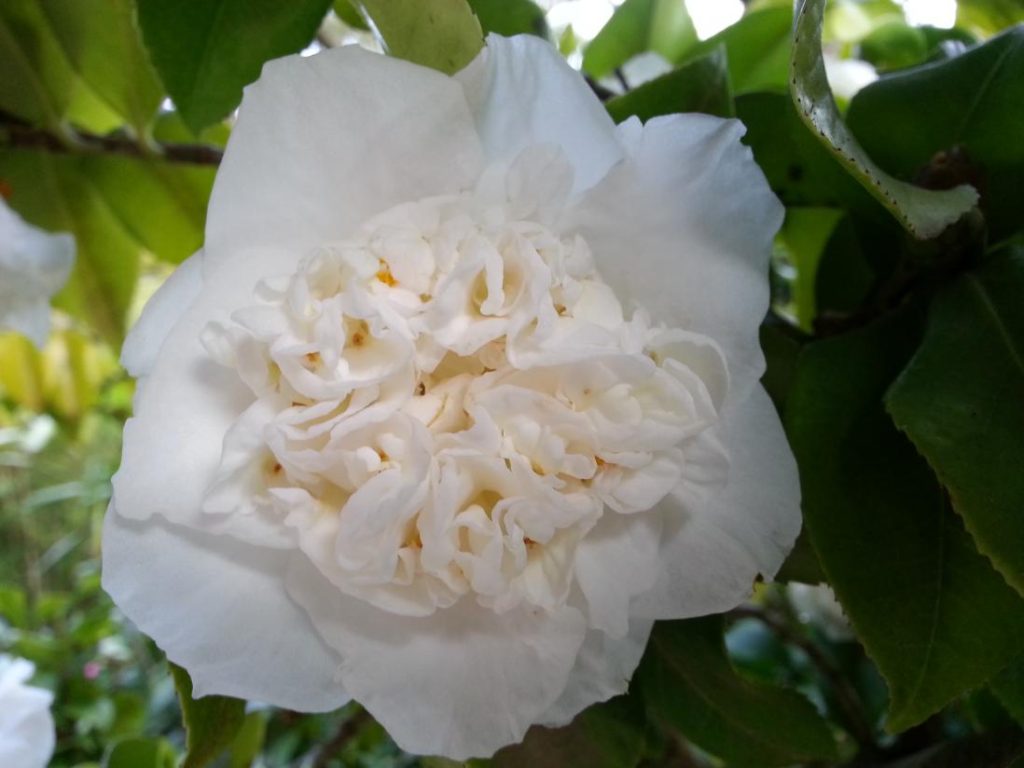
662 26
441 34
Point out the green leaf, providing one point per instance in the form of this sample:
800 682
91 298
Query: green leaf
987 17
511 17
757 48
974 101
608 735
999 749
803 238
637 26
441 34
961 402
141 753
924 213
211 723
929 609
688 681
39 84
116 207
348 13
206 51
102 44
1008 686
699 86
248 742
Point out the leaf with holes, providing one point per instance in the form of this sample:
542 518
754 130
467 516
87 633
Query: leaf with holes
924 213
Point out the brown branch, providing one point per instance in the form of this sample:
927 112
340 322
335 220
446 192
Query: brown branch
846 696
18 135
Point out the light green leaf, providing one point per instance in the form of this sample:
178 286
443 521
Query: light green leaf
637 26
511 17
924 213
608 735
987 17
929 609
689 682
141 753
116 207
974 101
757 49
348 13
248 742
699 86
102 44
211 723
961 401
440 34
206 51
802 239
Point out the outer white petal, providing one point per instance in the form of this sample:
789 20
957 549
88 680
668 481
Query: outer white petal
616 561
173 443
523 92
460 683
34 265
219 609
324 142
27 734
712 553
162 311
603 670
684 227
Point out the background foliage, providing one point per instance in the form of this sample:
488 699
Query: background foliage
895 349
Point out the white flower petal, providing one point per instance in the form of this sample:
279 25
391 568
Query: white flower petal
27 734
603 670
522 93
218 608
34 265
618 560
162 311
683 227
460 683
324 142
713 552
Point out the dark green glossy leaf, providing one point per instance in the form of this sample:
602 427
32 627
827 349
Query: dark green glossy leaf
930 610
206 51
511 17
688 681
1008 686
608 735
440 34
1000 749
637 26
974 101
924 213
961 401
701 85
211 723
141 753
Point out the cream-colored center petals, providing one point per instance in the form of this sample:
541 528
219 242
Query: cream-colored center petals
445 405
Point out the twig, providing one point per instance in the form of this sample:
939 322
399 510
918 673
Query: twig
347 730
846 696
18 135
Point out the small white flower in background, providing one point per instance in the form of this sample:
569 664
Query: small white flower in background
460 396
27 733
816 604
34 265
847 76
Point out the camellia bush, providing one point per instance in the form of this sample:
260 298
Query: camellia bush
497 383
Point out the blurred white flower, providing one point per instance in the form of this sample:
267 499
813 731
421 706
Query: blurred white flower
460 396
34 265
816 604
847 76
27 733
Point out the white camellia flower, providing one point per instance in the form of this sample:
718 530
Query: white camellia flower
459 397
27 733
34 265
